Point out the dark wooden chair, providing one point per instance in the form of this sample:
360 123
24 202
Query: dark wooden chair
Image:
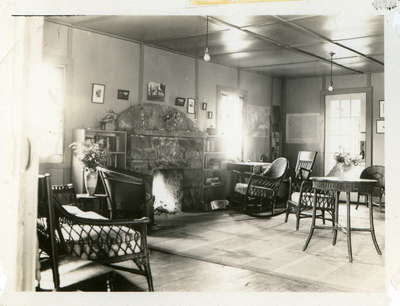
90 236
57 270
302 172
374 173
126 195
262 193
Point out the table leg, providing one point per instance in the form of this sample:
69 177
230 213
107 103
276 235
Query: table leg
314 213
336 218
371 225
349 227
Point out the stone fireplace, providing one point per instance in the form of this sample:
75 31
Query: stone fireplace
166 145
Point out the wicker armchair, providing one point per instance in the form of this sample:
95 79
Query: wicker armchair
301 203
51 258
261 198
90 236
302 172
374 173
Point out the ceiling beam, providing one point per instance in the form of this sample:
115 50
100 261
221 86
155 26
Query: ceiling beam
320 36
282 45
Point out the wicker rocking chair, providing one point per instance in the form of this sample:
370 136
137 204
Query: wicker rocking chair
90 236
261 198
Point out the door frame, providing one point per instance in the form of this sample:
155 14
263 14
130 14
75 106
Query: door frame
368 117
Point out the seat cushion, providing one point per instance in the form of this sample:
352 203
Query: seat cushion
295 197
241 188
99 242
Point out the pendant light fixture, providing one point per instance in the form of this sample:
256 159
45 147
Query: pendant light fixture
330 88
206 56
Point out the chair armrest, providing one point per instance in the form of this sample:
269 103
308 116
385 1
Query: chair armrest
100 222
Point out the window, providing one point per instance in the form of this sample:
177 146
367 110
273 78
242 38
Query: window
51 113
230 124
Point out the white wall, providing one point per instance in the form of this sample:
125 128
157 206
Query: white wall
116 63
303 95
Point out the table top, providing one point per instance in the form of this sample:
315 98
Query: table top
250 163
88 196
333 179
344 184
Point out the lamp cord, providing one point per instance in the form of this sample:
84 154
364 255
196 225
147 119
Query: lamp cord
207 33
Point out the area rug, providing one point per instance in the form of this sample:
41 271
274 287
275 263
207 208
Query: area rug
272 246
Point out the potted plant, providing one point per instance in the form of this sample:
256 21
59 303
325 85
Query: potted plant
91 154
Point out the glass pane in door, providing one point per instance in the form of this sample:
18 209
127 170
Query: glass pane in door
345 129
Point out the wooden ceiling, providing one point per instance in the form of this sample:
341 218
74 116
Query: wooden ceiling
283 46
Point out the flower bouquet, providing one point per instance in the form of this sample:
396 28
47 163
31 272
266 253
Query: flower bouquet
344 163
91 154
347 159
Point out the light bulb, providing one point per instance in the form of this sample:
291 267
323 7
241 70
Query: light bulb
330 88
206 56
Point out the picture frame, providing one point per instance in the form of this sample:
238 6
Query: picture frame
380 126
381 109
191 106
98 92
156 91
180 101
204 106
123 94
210 115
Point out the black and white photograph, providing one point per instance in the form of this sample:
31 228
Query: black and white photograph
180 101
156 91
191 106
123 94
262 169
98 93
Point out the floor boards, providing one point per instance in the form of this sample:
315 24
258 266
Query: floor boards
227 251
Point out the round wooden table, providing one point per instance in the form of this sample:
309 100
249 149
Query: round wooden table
346 185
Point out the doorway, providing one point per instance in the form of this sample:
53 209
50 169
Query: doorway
346 130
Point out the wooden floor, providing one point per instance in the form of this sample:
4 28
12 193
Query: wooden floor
227 251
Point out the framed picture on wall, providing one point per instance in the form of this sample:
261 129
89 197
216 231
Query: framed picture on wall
123 94
382 109
190 106
380 126
156 91
98 93
180 101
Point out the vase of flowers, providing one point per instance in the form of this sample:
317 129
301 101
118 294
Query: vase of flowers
344 162
91 154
